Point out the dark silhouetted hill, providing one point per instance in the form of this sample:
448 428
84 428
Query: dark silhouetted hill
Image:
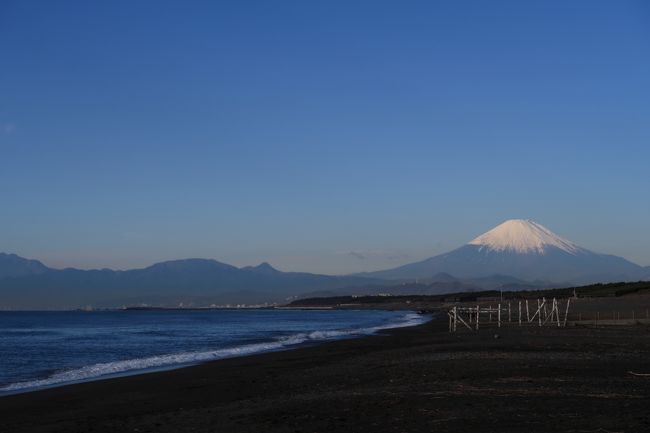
168 283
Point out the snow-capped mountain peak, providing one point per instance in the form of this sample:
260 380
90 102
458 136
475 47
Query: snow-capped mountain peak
524 250
524 237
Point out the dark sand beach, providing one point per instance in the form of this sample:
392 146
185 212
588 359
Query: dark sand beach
419 379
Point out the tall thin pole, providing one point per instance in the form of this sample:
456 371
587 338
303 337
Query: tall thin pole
499 315
519 313
478 315
552 310
566 313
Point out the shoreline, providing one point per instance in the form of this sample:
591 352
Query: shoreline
250 349
418 378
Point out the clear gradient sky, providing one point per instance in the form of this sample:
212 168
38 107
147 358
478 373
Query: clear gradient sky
330 136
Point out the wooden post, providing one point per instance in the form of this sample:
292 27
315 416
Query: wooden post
566 312
548 316
509 317
552 311
455 317
519 313
450 327
527 312
490 310
478 315
499 316
460 319
539 312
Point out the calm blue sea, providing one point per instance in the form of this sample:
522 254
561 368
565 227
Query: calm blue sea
42 349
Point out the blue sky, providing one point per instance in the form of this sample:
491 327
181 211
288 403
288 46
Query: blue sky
331 137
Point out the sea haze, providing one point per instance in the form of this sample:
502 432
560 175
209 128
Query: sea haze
43 349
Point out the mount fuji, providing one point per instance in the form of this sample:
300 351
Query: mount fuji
523 249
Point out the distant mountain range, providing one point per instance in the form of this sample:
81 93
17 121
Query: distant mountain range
525 250
12 265
30 284
518 254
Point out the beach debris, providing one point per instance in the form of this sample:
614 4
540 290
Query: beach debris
599 430
639 374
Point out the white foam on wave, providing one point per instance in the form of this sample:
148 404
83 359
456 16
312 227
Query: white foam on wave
96 371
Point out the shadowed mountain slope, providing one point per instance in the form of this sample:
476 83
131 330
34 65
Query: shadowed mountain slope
199 281
12 265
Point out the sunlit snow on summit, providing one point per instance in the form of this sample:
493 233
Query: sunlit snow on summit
523 236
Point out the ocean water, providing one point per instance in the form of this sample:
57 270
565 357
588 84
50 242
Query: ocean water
44 349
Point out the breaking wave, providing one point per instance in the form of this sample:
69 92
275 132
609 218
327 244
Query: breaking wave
132 366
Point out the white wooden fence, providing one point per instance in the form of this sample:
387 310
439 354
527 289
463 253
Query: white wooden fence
473 317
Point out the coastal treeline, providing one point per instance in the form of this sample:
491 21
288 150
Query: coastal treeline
592 290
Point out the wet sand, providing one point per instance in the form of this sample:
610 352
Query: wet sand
419 379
